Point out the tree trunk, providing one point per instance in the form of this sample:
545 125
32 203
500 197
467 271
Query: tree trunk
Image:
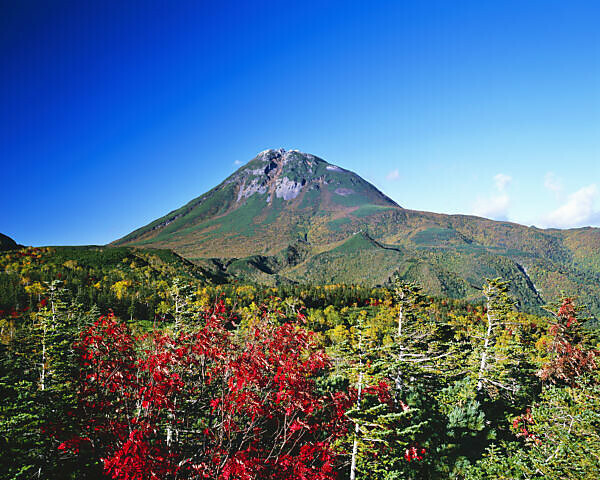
43 365
400 314
356 432
486 346
358 399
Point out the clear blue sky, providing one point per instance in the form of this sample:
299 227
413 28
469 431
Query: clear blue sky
114 115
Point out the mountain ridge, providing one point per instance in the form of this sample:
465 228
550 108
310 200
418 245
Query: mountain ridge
288 201
7 243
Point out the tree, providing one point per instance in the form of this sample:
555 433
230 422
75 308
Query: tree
561 431
37 386
211 403
181 293
388 439
499 306
407 296
569 357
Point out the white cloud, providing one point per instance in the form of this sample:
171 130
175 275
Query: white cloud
502 181
237 162
496 205
552 183
577 211
393 175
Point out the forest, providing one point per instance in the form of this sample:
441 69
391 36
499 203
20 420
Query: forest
132 364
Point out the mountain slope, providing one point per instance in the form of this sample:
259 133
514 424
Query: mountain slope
7 243
276 198
288 216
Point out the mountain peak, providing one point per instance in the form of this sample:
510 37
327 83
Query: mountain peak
281 152
281 156
280 195
286 174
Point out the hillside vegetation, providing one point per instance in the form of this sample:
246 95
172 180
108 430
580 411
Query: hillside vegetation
134 364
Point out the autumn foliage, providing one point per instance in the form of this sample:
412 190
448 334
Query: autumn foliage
236 384
568 358
208 404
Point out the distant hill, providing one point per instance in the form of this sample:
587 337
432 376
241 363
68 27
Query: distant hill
288 216
7 243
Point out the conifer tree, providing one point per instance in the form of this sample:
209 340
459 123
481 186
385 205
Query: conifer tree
492 371
183 309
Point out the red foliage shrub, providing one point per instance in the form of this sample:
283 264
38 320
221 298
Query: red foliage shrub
569 359
209 404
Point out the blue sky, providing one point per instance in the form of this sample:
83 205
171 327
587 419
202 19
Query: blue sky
114 114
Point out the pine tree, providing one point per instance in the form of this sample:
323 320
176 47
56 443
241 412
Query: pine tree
493 358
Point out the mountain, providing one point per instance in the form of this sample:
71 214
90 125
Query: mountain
276 199
7 243
288 216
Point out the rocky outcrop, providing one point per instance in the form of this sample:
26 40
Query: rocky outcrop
288 189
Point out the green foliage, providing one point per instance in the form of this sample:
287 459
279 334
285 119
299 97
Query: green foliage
131 282
38 373
415 358
563 432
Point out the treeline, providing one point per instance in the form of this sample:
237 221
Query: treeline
136 284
